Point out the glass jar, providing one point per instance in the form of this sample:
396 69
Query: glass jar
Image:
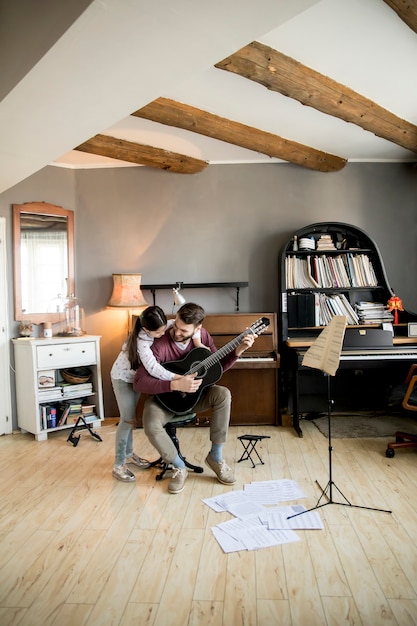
74 317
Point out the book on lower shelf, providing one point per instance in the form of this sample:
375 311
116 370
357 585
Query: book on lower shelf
48 416
69 410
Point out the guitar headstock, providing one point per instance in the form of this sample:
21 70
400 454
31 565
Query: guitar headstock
260 325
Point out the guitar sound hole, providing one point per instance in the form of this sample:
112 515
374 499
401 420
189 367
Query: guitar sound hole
201 371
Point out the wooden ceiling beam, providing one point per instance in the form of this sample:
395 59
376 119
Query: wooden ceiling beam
281 73
123 150
406 10
180 115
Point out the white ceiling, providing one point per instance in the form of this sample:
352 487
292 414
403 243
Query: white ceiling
121 54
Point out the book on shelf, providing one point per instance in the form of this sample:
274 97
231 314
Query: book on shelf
318 309
73 390
52 393
91 417
88 409
373 313
48 416
68 410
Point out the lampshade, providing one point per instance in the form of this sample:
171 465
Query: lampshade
127 292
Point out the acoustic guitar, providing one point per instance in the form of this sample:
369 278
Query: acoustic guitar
206 365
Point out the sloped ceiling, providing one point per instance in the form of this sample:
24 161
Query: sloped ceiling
90 80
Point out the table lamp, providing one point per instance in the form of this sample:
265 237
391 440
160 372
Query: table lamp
127 294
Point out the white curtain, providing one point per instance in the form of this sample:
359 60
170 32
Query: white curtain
44 258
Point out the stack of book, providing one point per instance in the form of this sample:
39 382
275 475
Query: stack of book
69 411
88 411
70 390
373 313
325 242
50 394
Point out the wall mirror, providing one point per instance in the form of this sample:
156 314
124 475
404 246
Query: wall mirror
43 238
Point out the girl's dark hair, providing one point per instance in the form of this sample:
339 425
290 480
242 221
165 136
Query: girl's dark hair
152 318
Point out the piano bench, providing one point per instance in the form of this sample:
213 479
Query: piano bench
249 444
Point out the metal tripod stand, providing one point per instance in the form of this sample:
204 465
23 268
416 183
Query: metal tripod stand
81 424
328 490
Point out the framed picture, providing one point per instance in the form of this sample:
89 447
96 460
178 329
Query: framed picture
46 378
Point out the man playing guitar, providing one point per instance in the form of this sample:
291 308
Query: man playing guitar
196 390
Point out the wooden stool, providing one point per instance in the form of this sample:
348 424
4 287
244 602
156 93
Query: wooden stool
249 443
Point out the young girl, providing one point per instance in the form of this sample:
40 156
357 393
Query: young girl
150 325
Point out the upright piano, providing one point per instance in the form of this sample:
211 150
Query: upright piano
253 380
383 367
364 375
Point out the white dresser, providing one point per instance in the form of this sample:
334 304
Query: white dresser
40 360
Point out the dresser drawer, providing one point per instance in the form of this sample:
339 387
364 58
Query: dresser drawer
66 355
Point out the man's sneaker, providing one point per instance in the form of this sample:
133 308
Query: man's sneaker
122 473
138 461
222 470
177 482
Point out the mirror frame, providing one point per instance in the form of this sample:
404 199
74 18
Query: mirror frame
42 208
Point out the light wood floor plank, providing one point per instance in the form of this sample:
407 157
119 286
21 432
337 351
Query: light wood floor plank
391 578
273 613
123 575
328 570
206 614
341 612
175 604
271 583
405 611
369 598
12 616
303 593
240 591
141 614
71 614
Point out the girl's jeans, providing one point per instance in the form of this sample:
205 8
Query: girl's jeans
127 400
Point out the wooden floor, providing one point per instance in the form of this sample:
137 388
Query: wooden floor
80 548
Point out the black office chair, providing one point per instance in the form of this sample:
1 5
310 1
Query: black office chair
409 403
171 428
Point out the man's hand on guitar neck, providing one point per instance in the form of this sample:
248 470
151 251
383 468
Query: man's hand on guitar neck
186 384
247 342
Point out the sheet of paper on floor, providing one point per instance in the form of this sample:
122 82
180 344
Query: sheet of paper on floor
257 526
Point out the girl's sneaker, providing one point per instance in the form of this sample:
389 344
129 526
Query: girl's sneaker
122 473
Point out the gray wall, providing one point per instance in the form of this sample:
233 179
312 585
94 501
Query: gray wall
225 224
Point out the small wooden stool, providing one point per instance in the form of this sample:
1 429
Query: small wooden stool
249 443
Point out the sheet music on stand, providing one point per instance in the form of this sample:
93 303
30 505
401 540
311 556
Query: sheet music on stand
324 354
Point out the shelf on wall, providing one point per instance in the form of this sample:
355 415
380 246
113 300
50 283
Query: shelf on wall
234 285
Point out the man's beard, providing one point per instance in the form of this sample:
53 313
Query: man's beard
183 340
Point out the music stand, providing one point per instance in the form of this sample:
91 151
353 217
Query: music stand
324 355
